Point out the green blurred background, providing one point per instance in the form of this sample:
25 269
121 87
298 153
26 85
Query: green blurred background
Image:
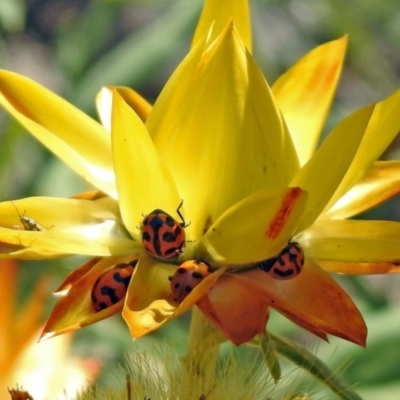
74 47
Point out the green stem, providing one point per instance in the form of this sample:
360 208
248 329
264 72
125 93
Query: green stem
306 360
198 366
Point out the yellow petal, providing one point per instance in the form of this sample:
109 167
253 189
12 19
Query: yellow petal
75 310
353 241
354 268
149 301
380 183
149 298
215 16
304 94
219 130
143 181
322 174
83 227
382 129
82 143
314 301
254 229
104 104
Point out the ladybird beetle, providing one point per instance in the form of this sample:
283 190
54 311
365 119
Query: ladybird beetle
287 264
111 286
17 394
162 236
29 224
187 277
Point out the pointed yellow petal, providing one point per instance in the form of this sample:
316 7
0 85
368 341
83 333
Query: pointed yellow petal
322 174
350 268
216 15
313 300
75 310
305 92
353 241
256 228
83 226
143 181
219 130
378 185
82 143
382 129
104 104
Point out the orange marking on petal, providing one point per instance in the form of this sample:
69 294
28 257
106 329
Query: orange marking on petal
283 213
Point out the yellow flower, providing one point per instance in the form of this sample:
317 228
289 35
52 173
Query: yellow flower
244 160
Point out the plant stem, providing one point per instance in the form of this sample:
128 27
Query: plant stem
199 364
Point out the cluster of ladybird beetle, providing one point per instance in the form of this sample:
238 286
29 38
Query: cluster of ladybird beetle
165 238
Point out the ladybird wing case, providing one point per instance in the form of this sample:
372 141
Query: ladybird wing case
162 236
111 286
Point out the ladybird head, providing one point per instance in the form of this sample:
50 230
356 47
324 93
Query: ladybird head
186 277
111 286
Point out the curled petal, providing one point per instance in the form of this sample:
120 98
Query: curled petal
305 92
380 183
149 302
